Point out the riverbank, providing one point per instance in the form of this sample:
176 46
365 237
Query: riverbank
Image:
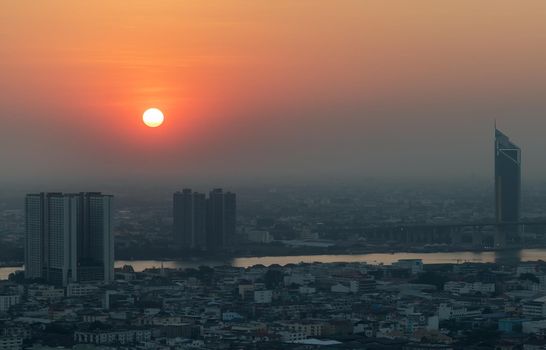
278 249
499 256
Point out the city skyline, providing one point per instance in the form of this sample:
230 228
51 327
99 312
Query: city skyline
272 175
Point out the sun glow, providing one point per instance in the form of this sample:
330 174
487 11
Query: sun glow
153 117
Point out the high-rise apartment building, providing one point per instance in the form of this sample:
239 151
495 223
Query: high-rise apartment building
215 220
204 223
230 212
221 219
189 219
69 237
507 185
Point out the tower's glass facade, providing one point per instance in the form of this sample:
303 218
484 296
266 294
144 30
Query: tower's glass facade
507 189
507 179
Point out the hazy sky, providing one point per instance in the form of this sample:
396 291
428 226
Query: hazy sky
269 89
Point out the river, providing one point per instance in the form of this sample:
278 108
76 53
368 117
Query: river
505 256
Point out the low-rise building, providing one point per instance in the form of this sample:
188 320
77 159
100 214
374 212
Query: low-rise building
109 336
8 300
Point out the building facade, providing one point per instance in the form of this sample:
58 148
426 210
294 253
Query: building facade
69 237
221 219
507 186
189 219
204 223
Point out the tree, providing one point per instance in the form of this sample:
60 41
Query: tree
529 277
17 277
433 278
273 278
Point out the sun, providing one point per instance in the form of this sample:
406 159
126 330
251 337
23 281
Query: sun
153 117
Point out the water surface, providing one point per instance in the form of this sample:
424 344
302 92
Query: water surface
508 257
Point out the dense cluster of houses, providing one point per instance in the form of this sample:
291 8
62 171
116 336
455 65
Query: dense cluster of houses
406 305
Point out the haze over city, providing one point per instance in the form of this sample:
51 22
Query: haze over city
272 175
268 91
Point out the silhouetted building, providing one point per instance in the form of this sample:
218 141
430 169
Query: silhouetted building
221 219
69 237
507 185
189 219
215 219
230 210
204 223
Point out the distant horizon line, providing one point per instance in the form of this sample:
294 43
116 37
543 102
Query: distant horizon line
217 183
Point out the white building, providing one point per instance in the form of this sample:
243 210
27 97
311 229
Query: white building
533 327
299 279
310 329
307 290
534 308
291 337
352 287
8 300
245 289
259 236
11 343
433 323
80 290
469 288
263 296
526 268
69 237
113 336
447 312
45 292
231 316
363 328
414 265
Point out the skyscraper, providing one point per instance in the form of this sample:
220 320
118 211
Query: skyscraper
35 235
204 223
69 237
95 255
507 185
221 219
189 219
230 210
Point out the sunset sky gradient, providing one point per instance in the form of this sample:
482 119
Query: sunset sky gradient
261 90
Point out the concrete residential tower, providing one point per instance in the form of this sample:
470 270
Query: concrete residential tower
204 223
69 237
189 219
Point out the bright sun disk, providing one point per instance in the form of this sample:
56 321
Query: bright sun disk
153 117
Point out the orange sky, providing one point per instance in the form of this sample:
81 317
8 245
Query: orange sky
268 87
